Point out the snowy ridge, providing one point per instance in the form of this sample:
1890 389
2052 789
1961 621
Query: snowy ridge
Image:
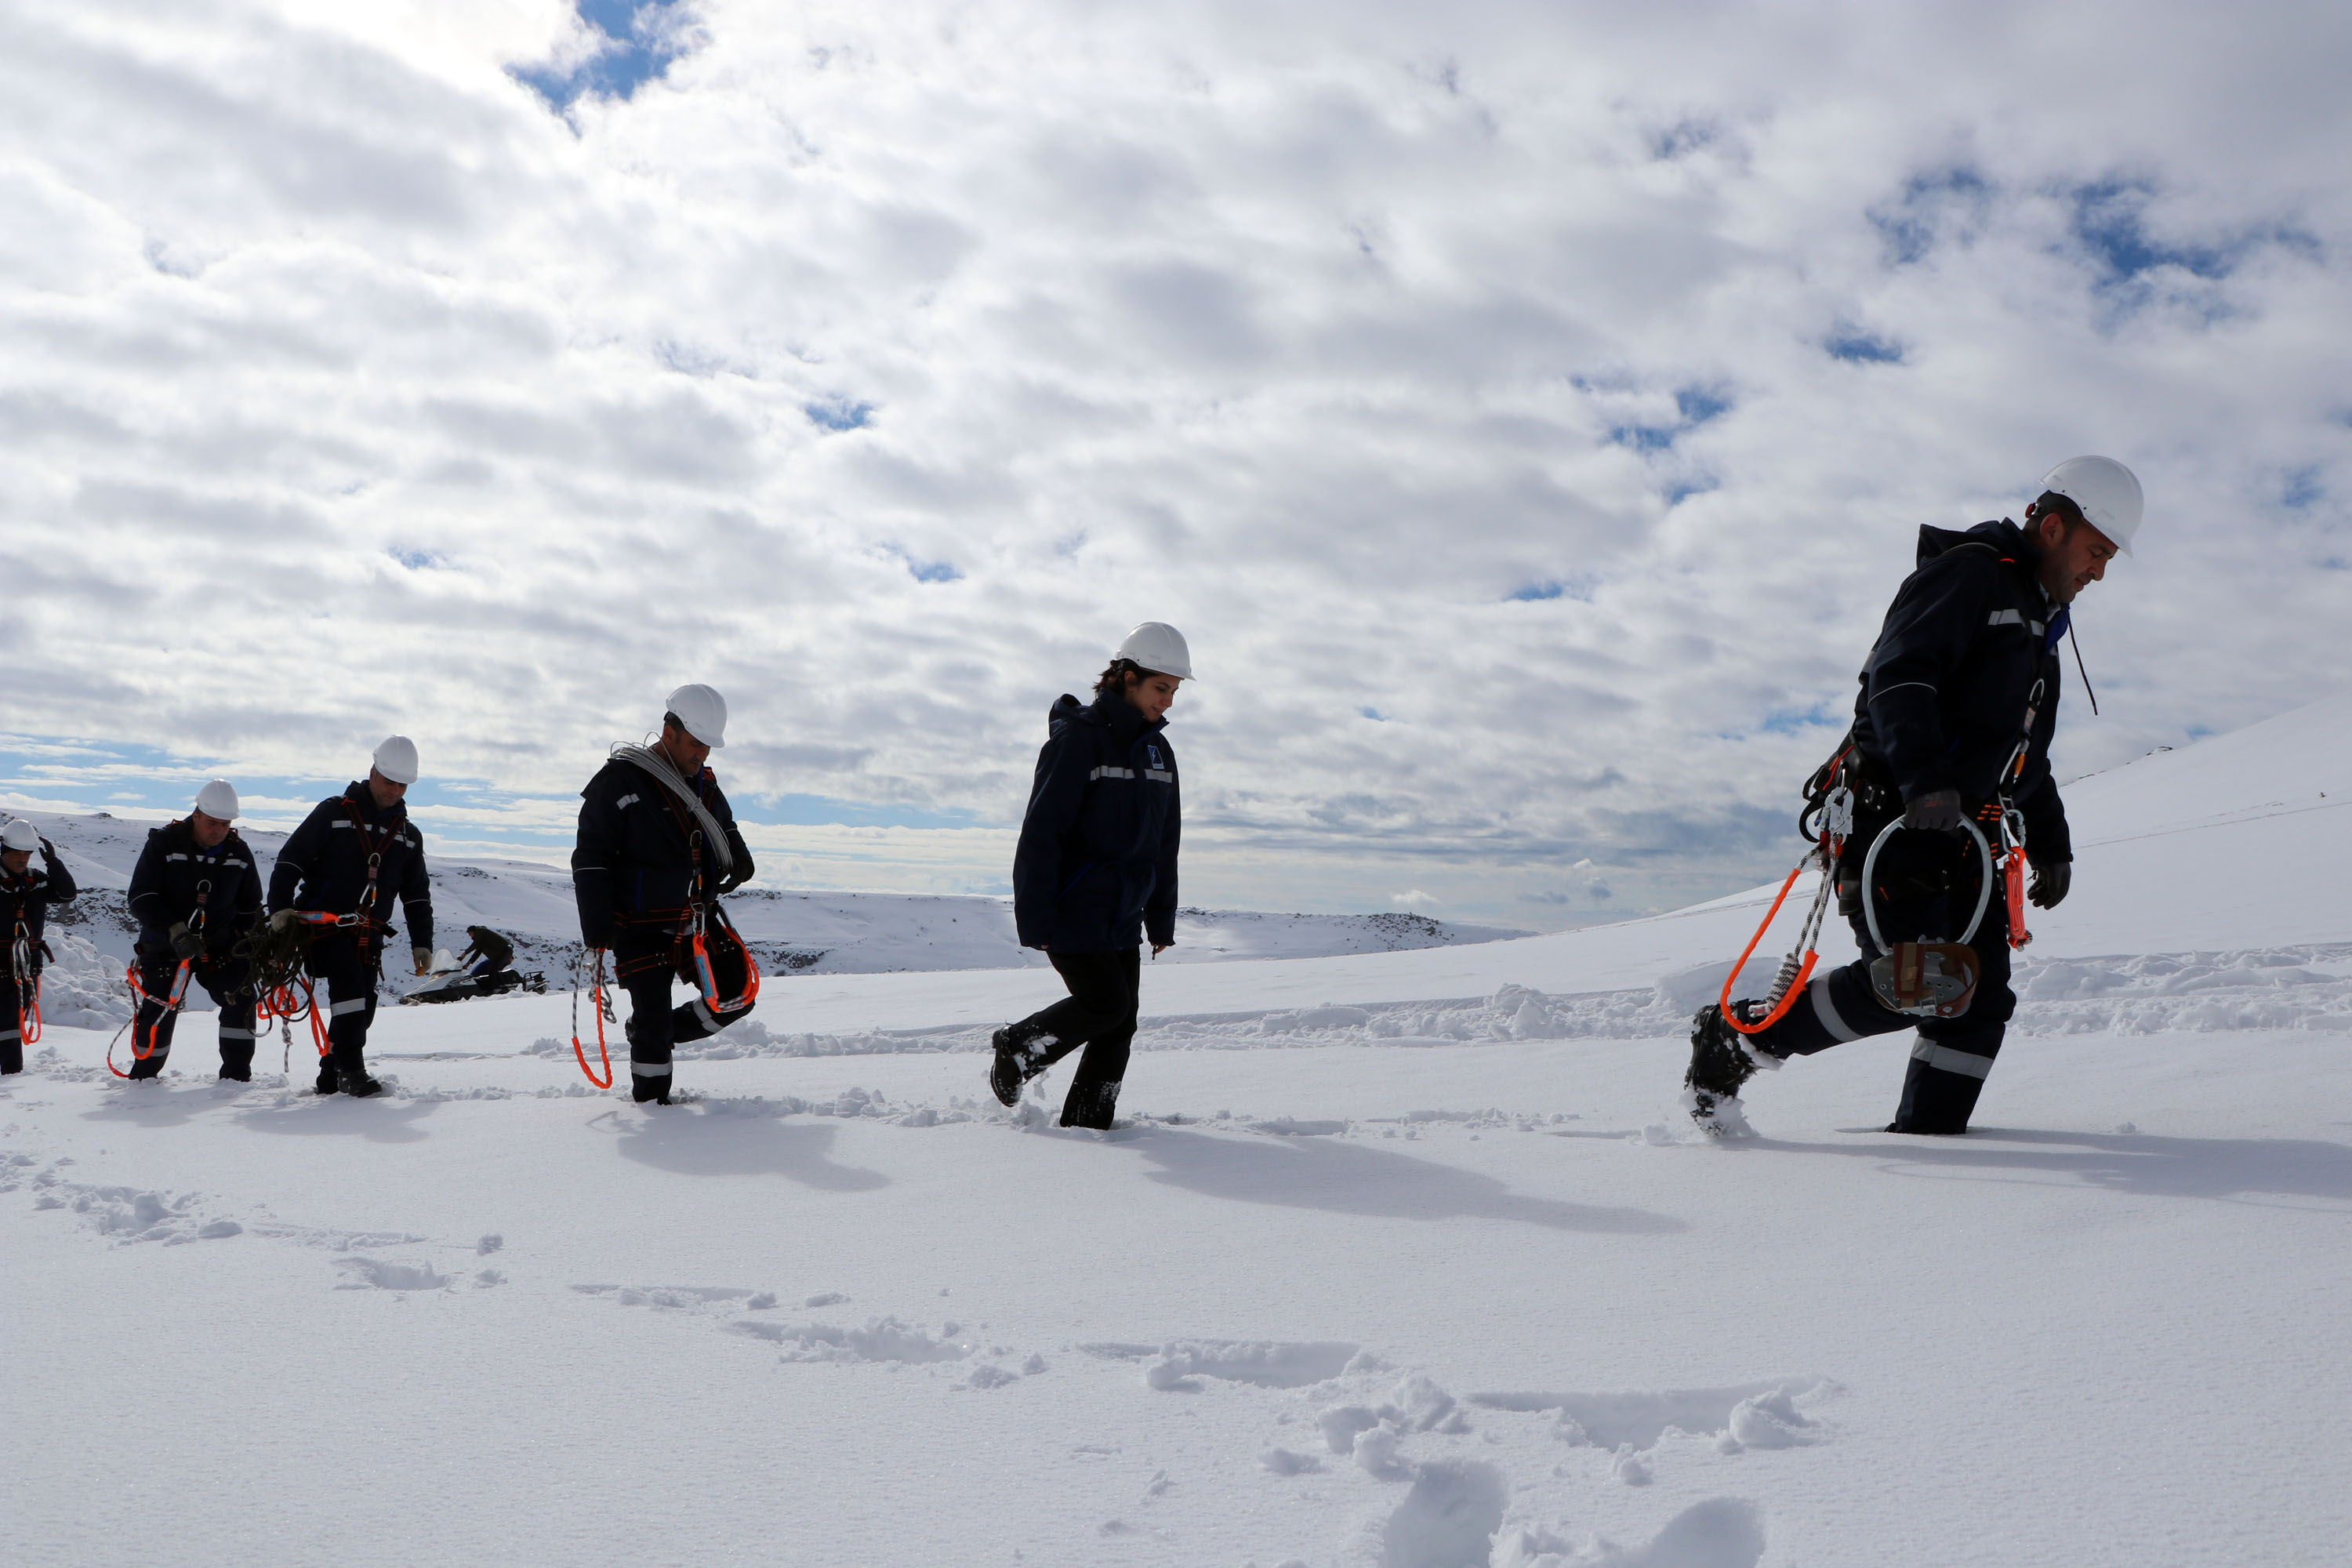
792 932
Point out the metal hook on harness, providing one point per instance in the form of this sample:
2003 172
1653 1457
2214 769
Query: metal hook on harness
1834 826
1925 979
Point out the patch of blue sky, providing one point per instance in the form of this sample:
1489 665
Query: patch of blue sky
635 42
1374 714
418 560
1910 226
1858 347
1579 588
831 811
143 783
1789 721
1682 491
838 414
2302 489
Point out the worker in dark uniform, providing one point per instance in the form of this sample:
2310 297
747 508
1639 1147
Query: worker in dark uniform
26 891
1095 873
1952 725
194 892
338 874
658 848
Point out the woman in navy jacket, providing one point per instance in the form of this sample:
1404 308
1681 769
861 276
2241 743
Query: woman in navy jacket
1095 872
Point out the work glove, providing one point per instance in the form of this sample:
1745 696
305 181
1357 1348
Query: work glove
186 943
281 919
2051 879
1937 811
424 956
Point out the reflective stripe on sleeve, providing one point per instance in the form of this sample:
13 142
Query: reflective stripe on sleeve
1110 773
1162 775
1943 1058
2015 618
625 802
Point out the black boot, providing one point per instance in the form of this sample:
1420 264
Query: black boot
646 1089
351 1077
328 1083
1718 1065
1018 1060
234 1073
151 1067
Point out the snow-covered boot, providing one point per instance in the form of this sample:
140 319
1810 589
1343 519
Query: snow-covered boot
1019 1058
328 1082
354 1081
1717 1066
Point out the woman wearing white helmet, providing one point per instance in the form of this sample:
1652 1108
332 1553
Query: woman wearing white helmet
1095 872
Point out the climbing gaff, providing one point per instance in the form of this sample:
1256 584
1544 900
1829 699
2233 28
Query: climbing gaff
706 978
1836 823
1925 979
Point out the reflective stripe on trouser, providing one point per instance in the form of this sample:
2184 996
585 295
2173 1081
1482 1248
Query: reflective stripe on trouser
654 1025
350 976
1948 1068
1099 1015
223 980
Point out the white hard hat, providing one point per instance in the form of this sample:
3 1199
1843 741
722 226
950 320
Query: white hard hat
20 834
396 759
702 711
218 800
1159 648
2107 494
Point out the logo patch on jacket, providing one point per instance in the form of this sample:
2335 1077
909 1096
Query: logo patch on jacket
1154 752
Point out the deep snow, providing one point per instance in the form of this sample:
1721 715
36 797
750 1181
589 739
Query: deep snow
1446 1280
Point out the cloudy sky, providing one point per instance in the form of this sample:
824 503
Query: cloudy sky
1527 410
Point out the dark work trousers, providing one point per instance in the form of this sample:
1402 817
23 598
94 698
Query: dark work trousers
14 997
1926 885
335 956
1106 990
646 960
224 981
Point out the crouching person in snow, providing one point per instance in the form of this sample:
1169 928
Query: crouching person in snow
1095 872
26 891
1952 725
194 892
337 876
658 848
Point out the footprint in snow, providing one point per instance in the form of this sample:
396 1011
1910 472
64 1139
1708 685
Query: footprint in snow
1721 1532
1749 1415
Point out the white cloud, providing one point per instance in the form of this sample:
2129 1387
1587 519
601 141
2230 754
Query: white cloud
881 365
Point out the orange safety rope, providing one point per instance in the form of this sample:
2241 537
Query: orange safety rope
1836 822
139 1005
20 959
604 1011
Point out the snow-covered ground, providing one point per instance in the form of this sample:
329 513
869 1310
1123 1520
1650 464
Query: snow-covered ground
1444 1280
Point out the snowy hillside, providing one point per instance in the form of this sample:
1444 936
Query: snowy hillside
1400 1259
792 932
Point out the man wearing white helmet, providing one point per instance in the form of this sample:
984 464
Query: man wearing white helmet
337 876
656 850
195 890
1095 872
26 891
1952 725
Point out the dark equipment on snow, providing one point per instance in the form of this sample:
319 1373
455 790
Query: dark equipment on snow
484 969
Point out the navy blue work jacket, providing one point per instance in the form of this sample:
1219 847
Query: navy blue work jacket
26 899
1096 867
324 863
635 862
1947 689
174 878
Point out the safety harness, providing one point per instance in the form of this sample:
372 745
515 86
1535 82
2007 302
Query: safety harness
141 1050
1923 979
690 927
20 964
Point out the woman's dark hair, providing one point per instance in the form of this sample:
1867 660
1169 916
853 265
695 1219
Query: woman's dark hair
1115 673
